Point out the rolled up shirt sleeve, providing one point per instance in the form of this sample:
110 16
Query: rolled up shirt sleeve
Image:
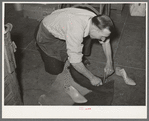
74 39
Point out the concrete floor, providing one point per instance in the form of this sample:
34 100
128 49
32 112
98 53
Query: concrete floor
128 45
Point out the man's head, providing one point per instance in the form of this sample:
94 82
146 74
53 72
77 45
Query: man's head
100 27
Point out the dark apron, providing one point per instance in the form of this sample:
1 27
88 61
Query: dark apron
50 45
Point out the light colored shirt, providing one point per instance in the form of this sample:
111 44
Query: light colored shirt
71 25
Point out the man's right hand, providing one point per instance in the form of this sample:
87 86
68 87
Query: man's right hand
96 81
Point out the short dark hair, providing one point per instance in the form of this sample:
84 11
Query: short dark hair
102 22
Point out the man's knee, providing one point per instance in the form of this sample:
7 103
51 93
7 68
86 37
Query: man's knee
52 65
54 68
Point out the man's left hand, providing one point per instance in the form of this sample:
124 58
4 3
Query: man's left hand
108 69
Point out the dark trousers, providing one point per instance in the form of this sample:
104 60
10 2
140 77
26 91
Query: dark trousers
55 66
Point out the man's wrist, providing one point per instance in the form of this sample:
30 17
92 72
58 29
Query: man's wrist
90 76
110 62
83 70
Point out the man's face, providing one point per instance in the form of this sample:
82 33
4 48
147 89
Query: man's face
96 33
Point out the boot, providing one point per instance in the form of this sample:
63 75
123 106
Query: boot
122 72
75 95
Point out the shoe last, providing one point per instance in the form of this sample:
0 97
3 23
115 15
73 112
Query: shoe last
122 72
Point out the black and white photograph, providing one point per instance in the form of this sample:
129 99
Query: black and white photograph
74 57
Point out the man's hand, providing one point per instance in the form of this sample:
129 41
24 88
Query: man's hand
107 50
96 81
108 69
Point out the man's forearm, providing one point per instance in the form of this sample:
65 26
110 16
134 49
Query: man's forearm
107 51
83 70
